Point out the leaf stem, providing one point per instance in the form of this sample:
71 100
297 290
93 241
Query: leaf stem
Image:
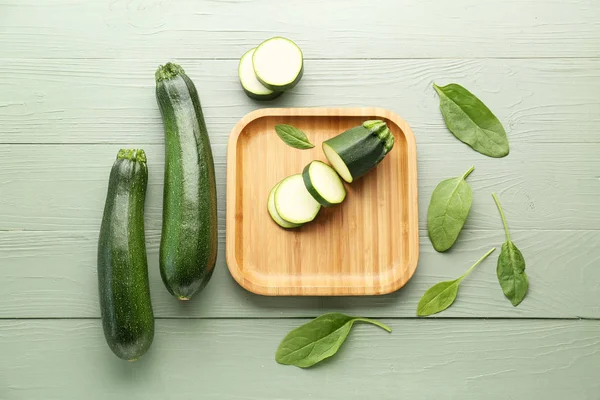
476 264
372 321
502 216
468 172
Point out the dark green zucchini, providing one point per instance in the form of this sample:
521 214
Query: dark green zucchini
188 246
356 151
125 305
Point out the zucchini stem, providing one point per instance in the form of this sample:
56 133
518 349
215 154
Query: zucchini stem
380 128
168 71
135 155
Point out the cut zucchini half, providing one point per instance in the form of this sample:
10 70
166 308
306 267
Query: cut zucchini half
358 150
273 211
251 85
337 163
278 63
323 183
293 202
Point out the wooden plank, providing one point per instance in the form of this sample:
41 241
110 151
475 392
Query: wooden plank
541 185
53 274
218 29
234 360
113 101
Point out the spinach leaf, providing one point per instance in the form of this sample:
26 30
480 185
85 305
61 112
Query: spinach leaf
441 295
511 266
293 136
471 121
318 339
448 210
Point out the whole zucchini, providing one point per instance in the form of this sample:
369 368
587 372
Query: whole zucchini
125 305
356 151
188 246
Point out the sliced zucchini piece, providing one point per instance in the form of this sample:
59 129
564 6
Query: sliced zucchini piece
250 83
293 202
323 183
356 151
273 211
278 63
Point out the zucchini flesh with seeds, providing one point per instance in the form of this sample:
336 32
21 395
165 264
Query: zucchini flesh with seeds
293 202
125 305
278 63
356 151
323 183
188 246
251 85
273 211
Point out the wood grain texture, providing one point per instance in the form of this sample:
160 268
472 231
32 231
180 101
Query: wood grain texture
364 246
77 83
541 185
468 360
113 101
53 274
224 28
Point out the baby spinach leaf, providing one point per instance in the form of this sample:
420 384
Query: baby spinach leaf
293 136
448 210
511 266
318 339
441 295
471 121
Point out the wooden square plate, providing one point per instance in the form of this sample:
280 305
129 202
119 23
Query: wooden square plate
368 245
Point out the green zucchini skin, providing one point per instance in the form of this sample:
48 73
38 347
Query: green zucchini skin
363 147
188 246
126 308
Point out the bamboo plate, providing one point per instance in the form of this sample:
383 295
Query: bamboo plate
368 245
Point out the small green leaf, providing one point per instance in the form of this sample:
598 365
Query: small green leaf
293 136
441 295
448 210
318 339
511 266
471 121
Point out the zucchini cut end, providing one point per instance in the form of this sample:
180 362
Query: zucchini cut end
274 214
168 71
250 83
293 202
337 163
324 183
278 63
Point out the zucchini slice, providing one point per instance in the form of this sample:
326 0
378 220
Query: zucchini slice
273 211
293 202
278 63
356 151
251 85
323 183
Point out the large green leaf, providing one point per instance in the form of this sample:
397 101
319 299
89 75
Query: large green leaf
471 121
448 210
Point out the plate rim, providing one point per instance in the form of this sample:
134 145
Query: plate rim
231 170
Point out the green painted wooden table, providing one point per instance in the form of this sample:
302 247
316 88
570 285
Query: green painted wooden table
76 84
